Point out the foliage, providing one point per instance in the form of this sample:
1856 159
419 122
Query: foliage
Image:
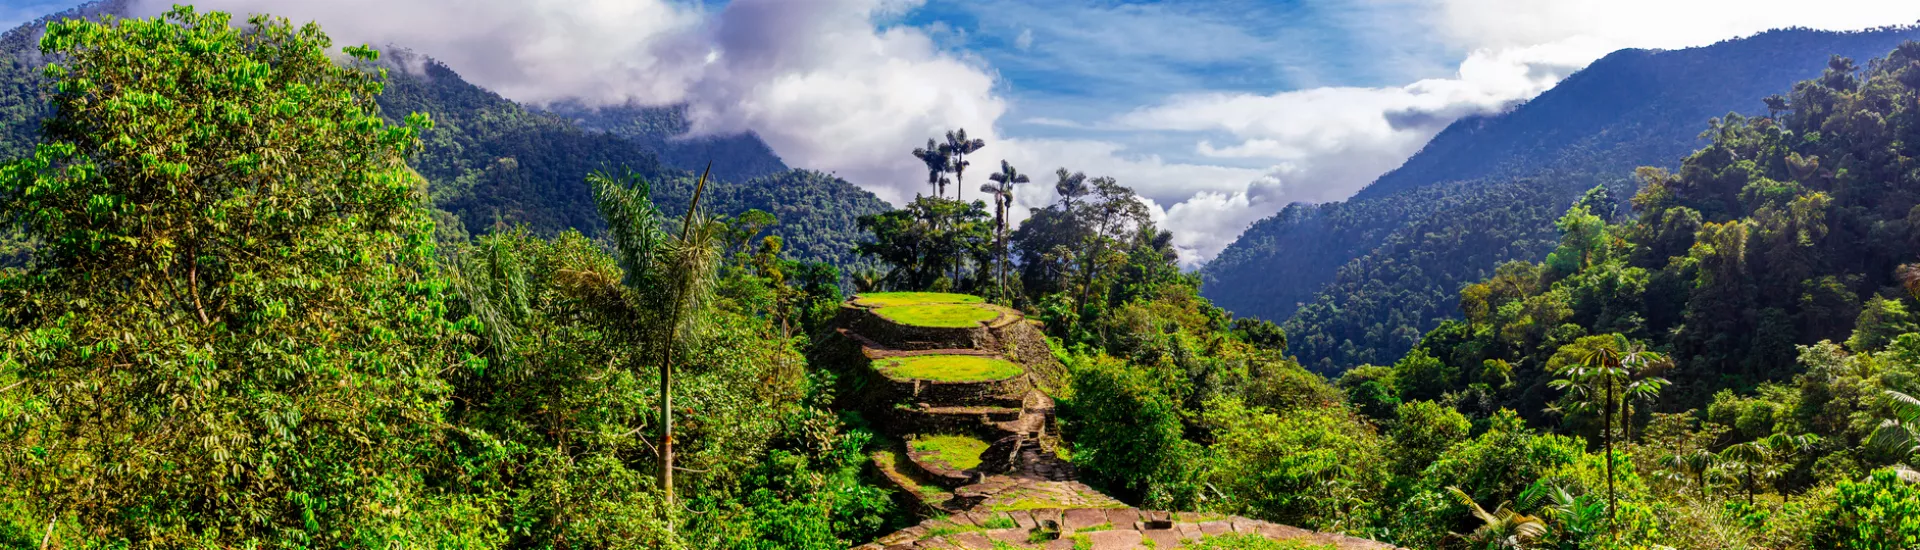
1307 467
221 342
1127 433
1881 512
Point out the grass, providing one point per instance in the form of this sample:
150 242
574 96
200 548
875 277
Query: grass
889 459
885 299
1091 528
1026 503
1000 521
1252 542
955 451
947 368
938 315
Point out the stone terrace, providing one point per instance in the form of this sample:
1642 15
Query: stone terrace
1019 492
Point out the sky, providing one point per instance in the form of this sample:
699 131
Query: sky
1218 112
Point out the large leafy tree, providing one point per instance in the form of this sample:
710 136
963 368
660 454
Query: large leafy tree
231 330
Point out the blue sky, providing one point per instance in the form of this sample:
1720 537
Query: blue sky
1219 112
1081 61
14 13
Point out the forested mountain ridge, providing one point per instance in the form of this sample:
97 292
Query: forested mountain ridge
1360 280
492 162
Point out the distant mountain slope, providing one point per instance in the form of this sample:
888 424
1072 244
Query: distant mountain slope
1360 280
491 161
662 128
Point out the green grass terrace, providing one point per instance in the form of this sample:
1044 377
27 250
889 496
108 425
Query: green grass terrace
947 368
958 452
939 315
885 299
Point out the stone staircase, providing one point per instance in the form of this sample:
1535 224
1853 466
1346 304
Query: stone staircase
1019 492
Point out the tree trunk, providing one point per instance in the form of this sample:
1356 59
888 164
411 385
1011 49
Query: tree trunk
1607 437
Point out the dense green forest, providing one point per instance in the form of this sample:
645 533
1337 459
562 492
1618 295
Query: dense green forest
237 320
1359 281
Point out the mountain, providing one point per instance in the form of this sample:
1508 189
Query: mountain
491 162
1359 281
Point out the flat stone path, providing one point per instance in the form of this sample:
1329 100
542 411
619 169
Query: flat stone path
1098 529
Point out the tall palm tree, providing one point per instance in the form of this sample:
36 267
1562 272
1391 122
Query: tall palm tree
1604 378
677 273
1071 186
957 148
1002 194
1502 528
935 155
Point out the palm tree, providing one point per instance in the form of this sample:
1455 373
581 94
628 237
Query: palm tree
1502 528
935 156
1002 194
1763 459
957 148
1692 467
1901 433
678 272
1071 186
1603 379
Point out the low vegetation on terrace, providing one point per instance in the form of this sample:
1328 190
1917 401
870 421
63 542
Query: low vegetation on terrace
939 315
886 299
954 451
947 368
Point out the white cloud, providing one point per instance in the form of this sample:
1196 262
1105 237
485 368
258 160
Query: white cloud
1025 40
821 81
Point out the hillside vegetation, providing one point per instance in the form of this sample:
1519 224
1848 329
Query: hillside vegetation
233 318
1359 281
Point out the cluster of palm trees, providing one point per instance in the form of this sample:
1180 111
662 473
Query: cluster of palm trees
950 157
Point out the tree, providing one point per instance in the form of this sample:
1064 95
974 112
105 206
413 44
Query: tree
1612 371
680 270
1422 430
231 331
956 149
1881 320
936 158
1002 194
1071 186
